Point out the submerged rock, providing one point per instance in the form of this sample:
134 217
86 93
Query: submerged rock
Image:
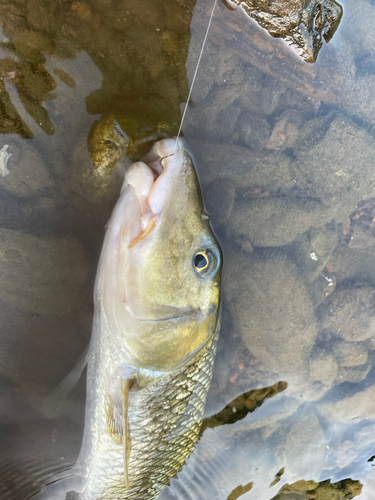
107 142
323 367
272 312
322 287
315 250
272 222
336 166
246 169
219 200
365 435
285 132
353 374
350 314
43 275
351 409
253 131
299 454
350 353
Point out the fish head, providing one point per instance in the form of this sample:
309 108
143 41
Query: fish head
159 277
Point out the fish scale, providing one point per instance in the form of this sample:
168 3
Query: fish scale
158 451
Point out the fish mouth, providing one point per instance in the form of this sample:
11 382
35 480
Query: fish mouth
194 313
150 180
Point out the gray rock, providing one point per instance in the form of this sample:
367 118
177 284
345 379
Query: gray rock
226 124
222 96
244 244
323 367
351 409
271 222
302 453
219 200
285 131
322 375
345 453
361 240
249 99
353 374
350 313
357 265
339 167
253 131
370 344
271 311
219 66
270 94
43 275
254 77
322 287
318 249
207 77
246 169
350 353
365 435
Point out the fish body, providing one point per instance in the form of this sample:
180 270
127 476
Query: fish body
156 324
164 420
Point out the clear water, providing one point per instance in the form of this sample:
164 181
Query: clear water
286 155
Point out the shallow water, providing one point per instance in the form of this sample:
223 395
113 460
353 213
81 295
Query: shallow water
285 154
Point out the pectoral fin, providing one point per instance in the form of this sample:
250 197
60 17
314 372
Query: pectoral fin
55 401
125 433
118 423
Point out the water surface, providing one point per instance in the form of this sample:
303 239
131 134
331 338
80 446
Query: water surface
285 153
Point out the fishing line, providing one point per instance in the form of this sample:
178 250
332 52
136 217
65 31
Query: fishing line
195 74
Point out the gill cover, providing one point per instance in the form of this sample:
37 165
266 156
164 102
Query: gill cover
159 277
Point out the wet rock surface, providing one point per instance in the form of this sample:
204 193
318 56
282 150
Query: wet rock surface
352 409
320 491
338 168
350 314
350 354
302 24
269 328
271 222
299 453
323 367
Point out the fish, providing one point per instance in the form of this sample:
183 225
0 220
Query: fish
155 332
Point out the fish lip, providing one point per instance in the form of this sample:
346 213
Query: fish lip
193 312
154 155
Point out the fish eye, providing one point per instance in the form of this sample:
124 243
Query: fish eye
204 262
